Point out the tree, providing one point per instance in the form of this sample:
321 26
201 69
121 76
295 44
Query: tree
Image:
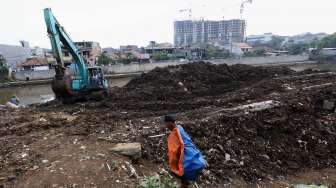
297 48
256 53
104 59
328 42
215 53
160 56
276 42
4 70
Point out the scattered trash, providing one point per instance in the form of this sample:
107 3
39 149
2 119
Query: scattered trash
132 170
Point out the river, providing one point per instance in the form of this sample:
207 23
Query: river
40 93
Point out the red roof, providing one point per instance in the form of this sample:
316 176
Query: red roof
242 45
35 62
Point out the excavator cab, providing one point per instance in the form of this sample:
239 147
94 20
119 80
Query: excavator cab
96 79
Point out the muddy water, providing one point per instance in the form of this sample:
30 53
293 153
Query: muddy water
42 93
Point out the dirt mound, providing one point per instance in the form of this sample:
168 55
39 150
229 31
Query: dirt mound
196 79
264 144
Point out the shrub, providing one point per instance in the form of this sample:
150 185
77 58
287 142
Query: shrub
158 182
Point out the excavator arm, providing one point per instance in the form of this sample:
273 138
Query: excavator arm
58 35
77 81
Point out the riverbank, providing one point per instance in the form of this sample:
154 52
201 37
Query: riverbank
33 94
48 81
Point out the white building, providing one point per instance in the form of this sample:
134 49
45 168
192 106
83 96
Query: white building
35 64
238 48
259 39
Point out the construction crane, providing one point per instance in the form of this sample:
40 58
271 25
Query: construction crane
78 80
242 7
189 11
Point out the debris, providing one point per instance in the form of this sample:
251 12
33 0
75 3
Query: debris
156 136
11 105
108 167
45 161
227 157
34 168
132 170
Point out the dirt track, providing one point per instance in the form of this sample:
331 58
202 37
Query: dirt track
57 145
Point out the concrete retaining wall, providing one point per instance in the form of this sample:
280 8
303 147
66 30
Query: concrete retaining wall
135 68
262 60
34 75
118 69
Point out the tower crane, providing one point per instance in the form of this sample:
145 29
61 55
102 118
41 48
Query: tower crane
242 7
189 11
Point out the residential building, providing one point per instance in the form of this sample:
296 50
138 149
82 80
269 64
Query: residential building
39 52
259 39
196 33
189 53
90 51
238 48
15 55
154 47
35 64
129 48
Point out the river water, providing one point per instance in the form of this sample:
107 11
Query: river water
41 93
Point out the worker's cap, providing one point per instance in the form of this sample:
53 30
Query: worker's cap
169 118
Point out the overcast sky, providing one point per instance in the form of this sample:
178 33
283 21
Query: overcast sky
119 22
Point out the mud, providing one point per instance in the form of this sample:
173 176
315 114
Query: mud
267 144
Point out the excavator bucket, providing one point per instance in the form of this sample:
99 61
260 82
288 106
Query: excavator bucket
61 88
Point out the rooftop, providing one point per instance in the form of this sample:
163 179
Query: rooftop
35 62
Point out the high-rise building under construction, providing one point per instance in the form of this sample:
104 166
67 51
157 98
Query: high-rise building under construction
200 32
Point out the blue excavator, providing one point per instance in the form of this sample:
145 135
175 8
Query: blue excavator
75 80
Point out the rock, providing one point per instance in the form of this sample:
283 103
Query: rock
328 105
129 149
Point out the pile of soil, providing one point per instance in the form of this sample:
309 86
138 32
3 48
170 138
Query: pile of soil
261 145
195 79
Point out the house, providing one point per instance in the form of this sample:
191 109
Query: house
259 39
35 64
154 47
238 48
90 51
